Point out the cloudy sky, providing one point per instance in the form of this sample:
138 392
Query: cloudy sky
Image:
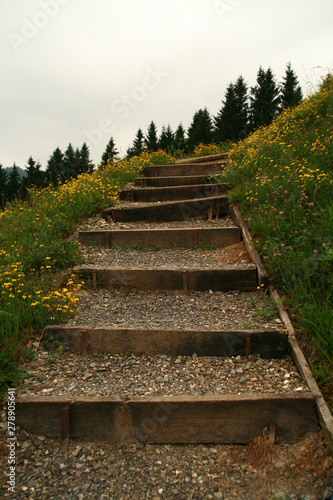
84 71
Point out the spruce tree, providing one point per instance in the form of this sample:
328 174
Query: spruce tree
166 139
35 175
137 145
14 183
54 167
180 143
110 152
3 185
151 141
265 99
85 164
224 122
201 129
71 163
291 92
242 108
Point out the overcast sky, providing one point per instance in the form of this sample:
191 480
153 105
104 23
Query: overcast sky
84 71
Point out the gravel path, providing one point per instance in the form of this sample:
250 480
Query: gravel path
126 376
204 310
233 256
46 469
98 223
92 471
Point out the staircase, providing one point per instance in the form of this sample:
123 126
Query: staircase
188 190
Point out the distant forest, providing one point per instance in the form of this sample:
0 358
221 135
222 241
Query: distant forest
244 109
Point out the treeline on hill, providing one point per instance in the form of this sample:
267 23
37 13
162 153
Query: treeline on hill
243 110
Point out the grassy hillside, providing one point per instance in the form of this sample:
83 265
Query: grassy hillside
36 288
283 181
281 176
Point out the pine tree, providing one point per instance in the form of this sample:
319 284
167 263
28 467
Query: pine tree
110 152
84 163
242 109
3 185
137 145
35 175
54 167
201 129
291 92
265 99
151 141
224 122
71 163
166 139
14 183
180 142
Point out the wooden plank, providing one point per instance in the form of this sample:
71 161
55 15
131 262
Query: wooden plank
163 238
218 279
172 193
214 418
263 278
268 343
223 279
169 211
200 159
96 238
184 180
183 169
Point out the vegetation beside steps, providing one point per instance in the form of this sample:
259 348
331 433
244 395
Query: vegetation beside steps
282 178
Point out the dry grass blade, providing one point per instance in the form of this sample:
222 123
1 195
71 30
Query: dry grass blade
261 450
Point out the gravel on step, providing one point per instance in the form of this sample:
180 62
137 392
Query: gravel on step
46 469
98 223
232 256
163 309
125 376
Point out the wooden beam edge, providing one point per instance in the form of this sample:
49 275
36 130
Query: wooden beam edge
79 328
207 398
200 159
324 413
247 238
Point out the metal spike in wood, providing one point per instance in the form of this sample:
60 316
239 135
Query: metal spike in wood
108 239
248 346
65 425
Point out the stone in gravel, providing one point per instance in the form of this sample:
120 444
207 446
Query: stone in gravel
218 495
279 465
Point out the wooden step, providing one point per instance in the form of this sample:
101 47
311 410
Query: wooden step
163 238
231 418
184 180
170 211
203 159
268 343
219 279
172 193
184 169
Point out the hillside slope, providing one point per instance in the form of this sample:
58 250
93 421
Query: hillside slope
283 181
